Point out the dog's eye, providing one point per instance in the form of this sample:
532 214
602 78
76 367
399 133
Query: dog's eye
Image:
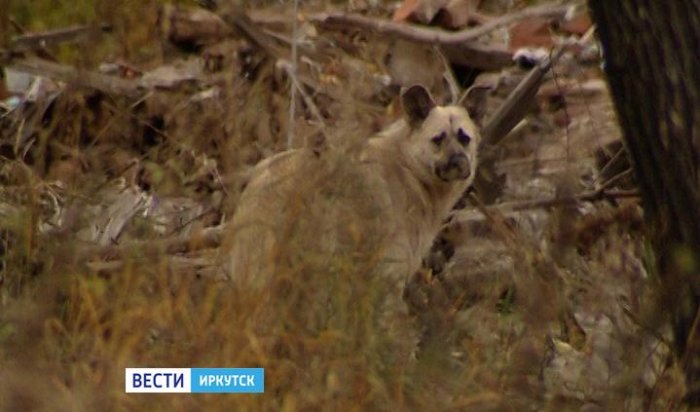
437 140
463 138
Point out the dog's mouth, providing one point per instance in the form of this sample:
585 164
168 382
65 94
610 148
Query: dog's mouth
457 167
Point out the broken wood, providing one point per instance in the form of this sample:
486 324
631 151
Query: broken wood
517 103
521 98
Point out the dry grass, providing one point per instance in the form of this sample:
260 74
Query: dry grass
68 331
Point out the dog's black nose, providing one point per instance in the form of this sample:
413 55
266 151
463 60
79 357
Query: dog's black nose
456 166
458 161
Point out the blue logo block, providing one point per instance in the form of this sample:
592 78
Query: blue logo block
157 380
228 380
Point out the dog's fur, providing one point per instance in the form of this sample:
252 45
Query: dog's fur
377 210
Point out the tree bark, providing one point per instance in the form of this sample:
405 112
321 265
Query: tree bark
652 61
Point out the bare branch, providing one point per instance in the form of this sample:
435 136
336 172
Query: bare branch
435 36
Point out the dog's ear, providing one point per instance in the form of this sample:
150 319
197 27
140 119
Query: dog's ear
416 103
474 100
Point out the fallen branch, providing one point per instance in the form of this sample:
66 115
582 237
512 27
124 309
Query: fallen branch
82 78
591 196
435 36
33 41
464 53
497 218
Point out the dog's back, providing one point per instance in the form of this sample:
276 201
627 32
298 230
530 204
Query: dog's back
305 213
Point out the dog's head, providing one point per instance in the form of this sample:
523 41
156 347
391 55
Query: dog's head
443 139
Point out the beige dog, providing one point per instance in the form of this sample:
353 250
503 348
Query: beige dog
374 212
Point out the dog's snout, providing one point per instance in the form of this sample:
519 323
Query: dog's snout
458 160
456 166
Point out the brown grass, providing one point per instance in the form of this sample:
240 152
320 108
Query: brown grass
68 329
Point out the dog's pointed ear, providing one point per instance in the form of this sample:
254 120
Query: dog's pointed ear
474 100
416 103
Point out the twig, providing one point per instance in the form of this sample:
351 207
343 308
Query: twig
249 29
315 112
690 345
448 75
618 154
435 36
613 180
244 24
514 239
293 76
495 217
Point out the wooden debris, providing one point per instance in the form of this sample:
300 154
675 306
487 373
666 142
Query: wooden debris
517 103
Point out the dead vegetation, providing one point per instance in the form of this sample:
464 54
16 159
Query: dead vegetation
122 157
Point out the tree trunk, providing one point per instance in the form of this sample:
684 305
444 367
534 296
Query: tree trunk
652 60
